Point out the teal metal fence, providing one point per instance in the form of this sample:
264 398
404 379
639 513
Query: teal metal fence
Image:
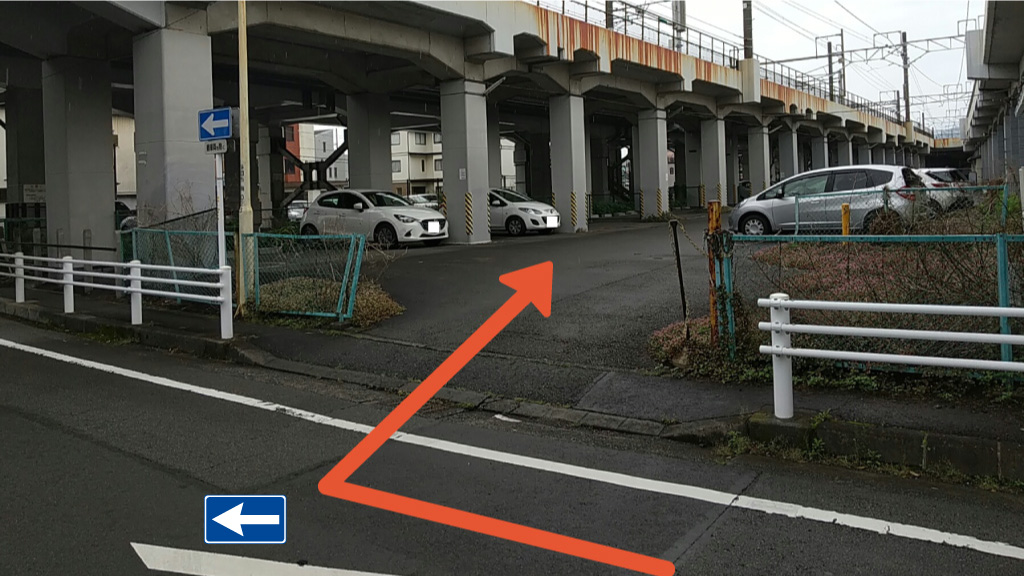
284 273
961 269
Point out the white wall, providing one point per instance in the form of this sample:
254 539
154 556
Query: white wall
124 155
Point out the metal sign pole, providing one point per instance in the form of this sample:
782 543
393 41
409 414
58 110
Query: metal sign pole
221 246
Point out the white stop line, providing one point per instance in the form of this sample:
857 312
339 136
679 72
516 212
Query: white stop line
614 478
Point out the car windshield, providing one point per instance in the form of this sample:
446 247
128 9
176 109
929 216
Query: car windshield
511 196
385 199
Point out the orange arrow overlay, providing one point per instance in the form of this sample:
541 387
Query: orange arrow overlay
532 286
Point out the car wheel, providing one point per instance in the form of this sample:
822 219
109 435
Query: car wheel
309 230
755 225
385 235
869 219
432 242
934 207
515 226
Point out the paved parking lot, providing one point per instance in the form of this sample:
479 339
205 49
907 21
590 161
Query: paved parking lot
612 287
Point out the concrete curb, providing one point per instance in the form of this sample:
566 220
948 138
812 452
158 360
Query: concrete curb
806 430
892 445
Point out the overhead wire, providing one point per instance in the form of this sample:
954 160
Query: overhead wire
785 21
826 20
873 29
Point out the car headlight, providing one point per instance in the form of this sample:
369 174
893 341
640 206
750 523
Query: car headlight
404 219
531 211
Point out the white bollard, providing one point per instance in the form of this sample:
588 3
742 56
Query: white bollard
69 290
135 285
782 366
19 277
227 331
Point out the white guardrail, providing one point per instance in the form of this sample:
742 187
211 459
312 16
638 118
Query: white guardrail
63 271
783 353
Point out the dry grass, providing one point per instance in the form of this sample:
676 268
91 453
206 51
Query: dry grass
373 305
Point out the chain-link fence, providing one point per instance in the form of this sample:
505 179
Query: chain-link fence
284 273
971 270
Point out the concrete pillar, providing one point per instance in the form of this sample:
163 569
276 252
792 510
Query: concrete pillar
26 164
173 73
819 152
493 146
901 157
271 176
520 157
466 179
1013 144
693 163
652 164
844 152
569 161
598 169
732 168
759 155
713 169
369 144
789 156
78 141
864 154
889 155
999 157
878 155
540 167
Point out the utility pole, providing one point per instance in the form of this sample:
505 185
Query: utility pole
842 62
245 207
906 77
831 75
748 29
609 15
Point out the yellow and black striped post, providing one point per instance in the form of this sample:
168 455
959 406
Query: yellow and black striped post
572 209
469 216
702 193
718 190
442 206
590 205
661 205
642 212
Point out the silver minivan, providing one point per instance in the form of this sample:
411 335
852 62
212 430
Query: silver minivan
814 199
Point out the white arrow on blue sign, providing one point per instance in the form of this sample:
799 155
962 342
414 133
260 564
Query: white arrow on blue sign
245 519
215 124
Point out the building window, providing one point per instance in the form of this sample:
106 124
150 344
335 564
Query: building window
289 133
396 166
421 138
437 165
289 166
423 165
325 145
396 138
437 137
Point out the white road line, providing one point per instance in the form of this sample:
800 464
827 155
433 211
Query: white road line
614 478
198 563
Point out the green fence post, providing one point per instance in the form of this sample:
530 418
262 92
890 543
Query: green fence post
349 264
135 244
1003 275
170 258
256 267
355 277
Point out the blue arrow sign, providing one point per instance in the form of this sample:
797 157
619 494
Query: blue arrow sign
244 519
215 124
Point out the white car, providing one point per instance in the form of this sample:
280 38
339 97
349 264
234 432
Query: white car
946 195
385 218
517 214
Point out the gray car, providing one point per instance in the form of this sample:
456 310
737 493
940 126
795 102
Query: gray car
815 200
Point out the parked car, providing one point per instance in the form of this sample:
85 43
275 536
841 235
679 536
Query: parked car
297 209
425 200
822 193
386 218
518 214
948 184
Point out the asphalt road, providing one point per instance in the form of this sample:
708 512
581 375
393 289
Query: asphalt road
613 287
93 459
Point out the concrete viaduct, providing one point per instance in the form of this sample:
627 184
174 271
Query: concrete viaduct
572 91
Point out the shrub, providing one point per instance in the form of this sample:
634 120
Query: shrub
373 305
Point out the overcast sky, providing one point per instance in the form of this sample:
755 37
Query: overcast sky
803 20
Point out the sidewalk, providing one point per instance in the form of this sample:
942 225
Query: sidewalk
979 440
